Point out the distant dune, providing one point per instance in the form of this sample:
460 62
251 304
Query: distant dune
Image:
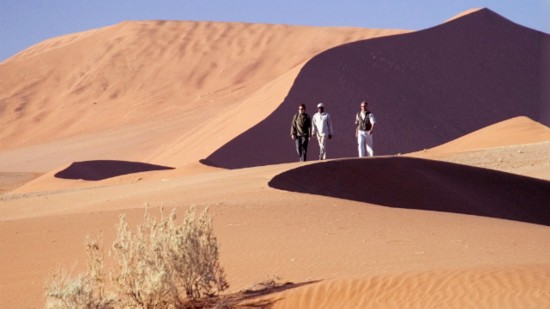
146 91
425 88
514 131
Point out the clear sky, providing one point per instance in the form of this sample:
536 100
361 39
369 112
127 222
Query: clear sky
24 23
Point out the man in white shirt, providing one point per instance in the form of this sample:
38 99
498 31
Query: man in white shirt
364 120
322 128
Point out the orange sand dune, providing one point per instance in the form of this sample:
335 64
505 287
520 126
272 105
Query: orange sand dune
328 244
425 88
519 145
426 185
516 131
120 104
489 287
11 181
149 92
265 232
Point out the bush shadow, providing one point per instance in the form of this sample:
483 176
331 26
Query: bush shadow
254 297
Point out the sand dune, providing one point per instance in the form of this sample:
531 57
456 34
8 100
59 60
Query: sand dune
491 287
426 185
134 108
518 145
134 90
515 131
267 232
11 181
425 88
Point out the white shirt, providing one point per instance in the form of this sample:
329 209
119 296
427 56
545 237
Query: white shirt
321 124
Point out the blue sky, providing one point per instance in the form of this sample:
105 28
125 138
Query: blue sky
24 23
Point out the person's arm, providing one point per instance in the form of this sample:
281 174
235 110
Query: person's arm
357 125
329 124
372 122
313 126
308 132
293 128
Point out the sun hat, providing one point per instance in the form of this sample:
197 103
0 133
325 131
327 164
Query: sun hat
320 105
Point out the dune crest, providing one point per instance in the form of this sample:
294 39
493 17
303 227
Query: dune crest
425 185
515 131
425 88
145 85
518 145
462 14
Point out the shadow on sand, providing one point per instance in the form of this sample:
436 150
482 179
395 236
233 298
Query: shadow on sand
256 297
411 183
103 169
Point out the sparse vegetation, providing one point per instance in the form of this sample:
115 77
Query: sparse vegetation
159 265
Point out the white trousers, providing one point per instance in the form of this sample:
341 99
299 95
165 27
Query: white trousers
364 141
322 139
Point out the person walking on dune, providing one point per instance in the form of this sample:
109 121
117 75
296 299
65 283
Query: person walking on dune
300 131
364 122
322 128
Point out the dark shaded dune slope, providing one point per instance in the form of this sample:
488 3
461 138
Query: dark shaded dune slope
425 88
411 183
103 169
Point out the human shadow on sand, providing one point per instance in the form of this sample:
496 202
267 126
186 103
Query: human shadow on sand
412 183
103 169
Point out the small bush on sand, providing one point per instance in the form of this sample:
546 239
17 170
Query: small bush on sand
84 291
159 265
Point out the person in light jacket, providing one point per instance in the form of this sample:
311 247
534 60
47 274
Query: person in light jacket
322 129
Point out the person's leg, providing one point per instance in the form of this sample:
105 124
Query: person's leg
323 147
321 140
361 143
369 141
304 147
298 147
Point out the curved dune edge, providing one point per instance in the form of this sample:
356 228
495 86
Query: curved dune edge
426 88
143 91
413 183
519 145
489 287
12 181
462 14
515 131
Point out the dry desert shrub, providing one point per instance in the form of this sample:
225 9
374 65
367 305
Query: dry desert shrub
84 291
159 265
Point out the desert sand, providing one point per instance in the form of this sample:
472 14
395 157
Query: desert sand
452 213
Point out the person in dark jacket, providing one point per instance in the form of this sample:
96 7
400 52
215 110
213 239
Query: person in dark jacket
300 132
